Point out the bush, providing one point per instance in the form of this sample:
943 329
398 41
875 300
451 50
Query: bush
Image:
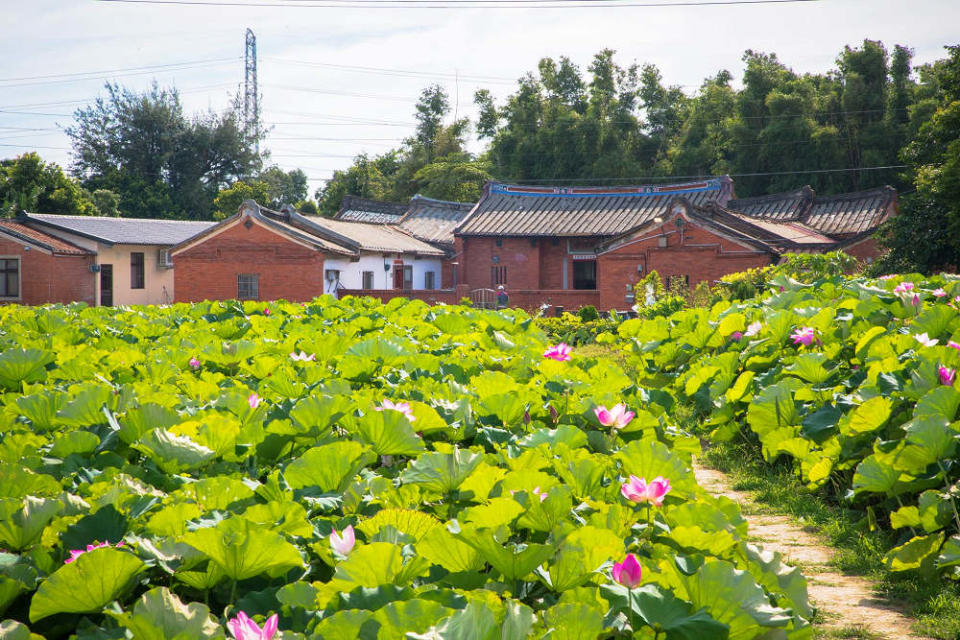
588 313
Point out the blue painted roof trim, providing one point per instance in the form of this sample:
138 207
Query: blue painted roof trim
572 192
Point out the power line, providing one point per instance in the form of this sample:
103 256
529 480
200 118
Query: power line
349 94
397 72
641 179
106 74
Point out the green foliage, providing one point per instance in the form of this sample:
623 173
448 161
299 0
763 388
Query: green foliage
492 510
160 162
228 201
27 183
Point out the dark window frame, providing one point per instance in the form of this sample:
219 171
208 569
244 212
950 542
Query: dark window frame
408 276
248 289
430 280
582 281
138 275
368 284
5 276
498 275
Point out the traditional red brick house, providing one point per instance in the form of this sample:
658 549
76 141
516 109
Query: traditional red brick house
574 246
39 268
252 256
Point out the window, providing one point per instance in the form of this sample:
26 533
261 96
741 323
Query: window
248 286
429 280
9 277
136 270
408 276
498 276
368 279
584 274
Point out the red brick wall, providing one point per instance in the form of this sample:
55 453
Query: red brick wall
50 278
864 249
208 271
446 274
551 264
516 254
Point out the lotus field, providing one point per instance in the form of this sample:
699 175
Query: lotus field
853 379
346 469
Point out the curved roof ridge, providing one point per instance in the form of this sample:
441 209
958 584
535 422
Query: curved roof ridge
803 191
437 201
856 195
706 184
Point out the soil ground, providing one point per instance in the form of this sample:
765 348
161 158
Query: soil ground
848 605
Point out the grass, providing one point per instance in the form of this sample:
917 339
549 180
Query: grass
935 604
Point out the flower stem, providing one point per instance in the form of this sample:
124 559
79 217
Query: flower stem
633 622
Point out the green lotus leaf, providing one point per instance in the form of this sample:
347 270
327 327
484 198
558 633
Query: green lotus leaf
387 432
573 621
19 528
23 365
441 472
874 476
740 388
810 368
941 402
42 408
330 467
934 320
914 553
87 584
173 453
342 625
216 492
160 615
371 565
822 423
512 561
581 554
315 414
17 482
442 548
929 439
74 442
769 571
509 408
413 523
87 405
13 630
866 339
474 622
664 613
172 520
140 420
949 553
243 549
731 597
288 518
651 458
565 433
481 482
774 407
868 417
497 512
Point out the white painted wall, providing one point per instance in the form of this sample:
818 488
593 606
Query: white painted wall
157 282
351 273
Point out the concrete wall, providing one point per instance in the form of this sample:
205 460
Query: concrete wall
351 273
46 278
286 269
158 282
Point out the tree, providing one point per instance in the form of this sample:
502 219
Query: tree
926 234
160 162
228 201
27 183
107 202
455 177
284 187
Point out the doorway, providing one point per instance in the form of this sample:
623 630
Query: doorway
106 285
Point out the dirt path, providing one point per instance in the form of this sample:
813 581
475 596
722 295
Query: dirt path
849 606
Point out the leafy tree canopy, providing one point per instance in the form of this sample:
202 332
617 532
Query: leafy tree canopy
27 183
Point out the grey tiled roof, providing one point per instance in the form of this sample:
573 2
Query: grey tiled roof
512 210
360 209
434 220
778 206
364 236
782 235
120 230
851 213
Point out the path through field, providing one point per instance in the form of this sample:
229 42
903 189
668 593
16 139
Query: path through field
848 603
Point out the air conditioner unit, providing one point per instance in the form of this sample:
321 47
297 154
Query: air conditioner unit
164 259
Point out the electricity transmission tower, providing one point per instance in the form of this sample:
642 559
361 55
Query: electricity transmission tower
251 100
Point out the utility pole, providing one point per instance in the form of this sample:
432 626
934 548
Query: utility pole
251 98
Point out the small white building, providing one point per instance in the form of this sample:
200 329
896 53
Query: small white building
386 256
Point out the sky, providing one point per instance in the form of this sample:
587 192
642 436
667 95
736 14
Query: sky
336 82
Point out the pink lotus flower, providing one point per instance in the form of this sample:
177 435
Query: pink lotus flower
559 352
753 328
254 400
736 336
637 490
76 553
903 287
343 544
194 363
954 345
539 494
402 407
804 335
940 293
243 628
266 311
628 572
302 357
617 416
916 300
888 276
947 375
926 340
